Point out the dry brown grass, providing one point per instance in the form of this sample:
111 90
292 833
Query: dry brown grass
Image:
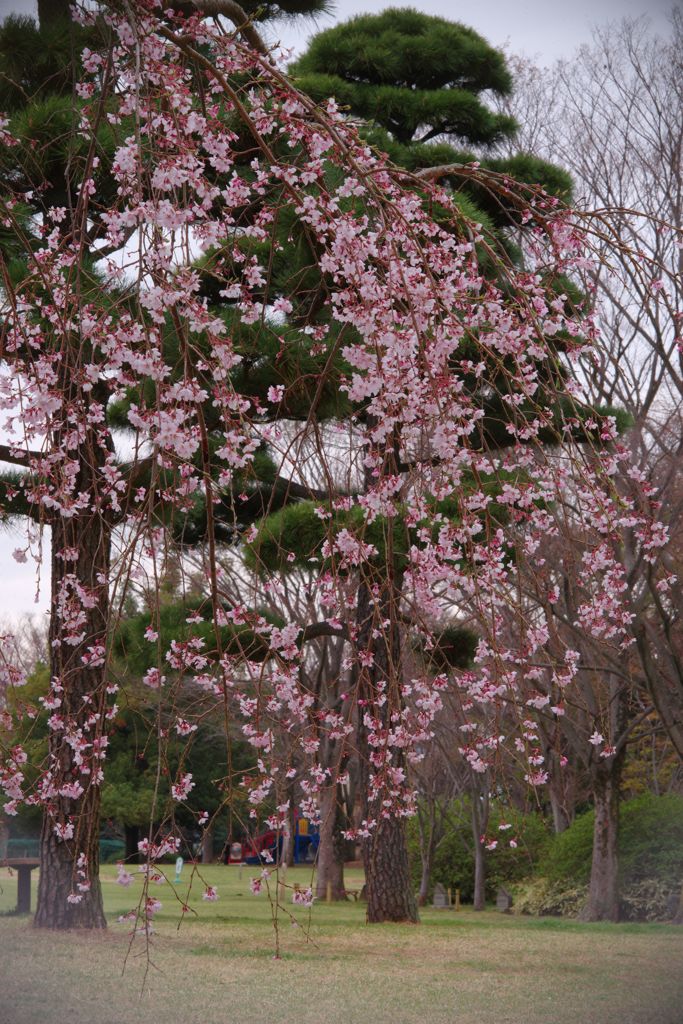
453 969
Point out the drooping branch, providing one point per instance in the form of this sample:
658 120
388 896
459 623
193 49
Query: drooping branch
139 472
304 491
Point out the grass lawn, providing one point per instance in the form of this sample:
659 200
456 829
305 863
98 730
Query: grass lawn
218 967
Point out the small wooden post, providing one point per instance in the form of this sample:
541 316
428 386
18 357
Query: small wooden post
457 899
450 897
23 889
328 893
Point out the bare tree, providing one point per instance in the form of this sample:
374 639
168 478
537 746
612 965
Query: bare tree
614 117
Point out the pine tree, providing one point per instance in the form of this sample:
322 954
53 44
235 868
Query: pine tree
43 171
420 82
416 79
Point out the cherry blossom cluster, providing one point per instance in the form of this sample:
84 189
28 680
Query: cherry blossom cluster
213 143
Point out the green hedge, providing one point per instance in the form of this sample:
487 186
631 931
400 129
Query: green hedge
650 844
111 850
650 899
650 863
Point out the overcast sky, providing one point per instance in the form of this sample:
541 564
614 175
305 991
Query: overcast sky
536 28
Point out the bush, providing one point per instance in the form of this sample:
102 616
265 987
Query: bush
568 855
650 863
650 899
651 839
650 844
454 859
544 898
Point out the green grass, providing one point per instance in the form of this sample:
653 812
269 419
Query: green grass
218 967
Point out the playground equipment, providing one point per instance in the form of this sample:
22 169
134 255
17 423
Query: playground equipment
253 851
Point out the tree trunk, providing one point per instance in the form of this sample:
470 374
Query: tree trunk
678 916
479 876
69 894
666 688
207 844
290 837
603 895
561 785
330 861
427 849
132 837
561 820
4 836
480 822
388 885
378 641
425 878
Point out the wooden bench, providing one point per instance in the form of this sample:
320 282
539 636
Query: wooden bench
23 866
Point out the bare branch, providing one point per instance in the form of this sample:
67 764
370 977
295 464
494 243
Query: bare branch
228 9
9 454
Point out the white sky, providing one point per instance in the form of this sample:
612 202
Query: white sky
546 29
541 29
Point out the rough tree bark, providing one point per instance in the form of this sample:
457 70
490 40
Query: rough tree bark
330 860
74 752
603 893
388 885
81 549
389 889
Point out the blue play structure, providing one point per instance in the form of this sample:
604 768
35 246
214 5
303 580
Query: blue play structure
306 841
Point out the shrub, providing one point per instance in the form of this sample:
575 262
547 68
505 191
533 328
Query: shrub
545 898
651 899
454 859
650 844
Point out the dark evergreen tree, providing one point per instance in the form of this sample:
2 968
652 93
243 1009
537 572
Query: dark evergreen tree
417 79
420 83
